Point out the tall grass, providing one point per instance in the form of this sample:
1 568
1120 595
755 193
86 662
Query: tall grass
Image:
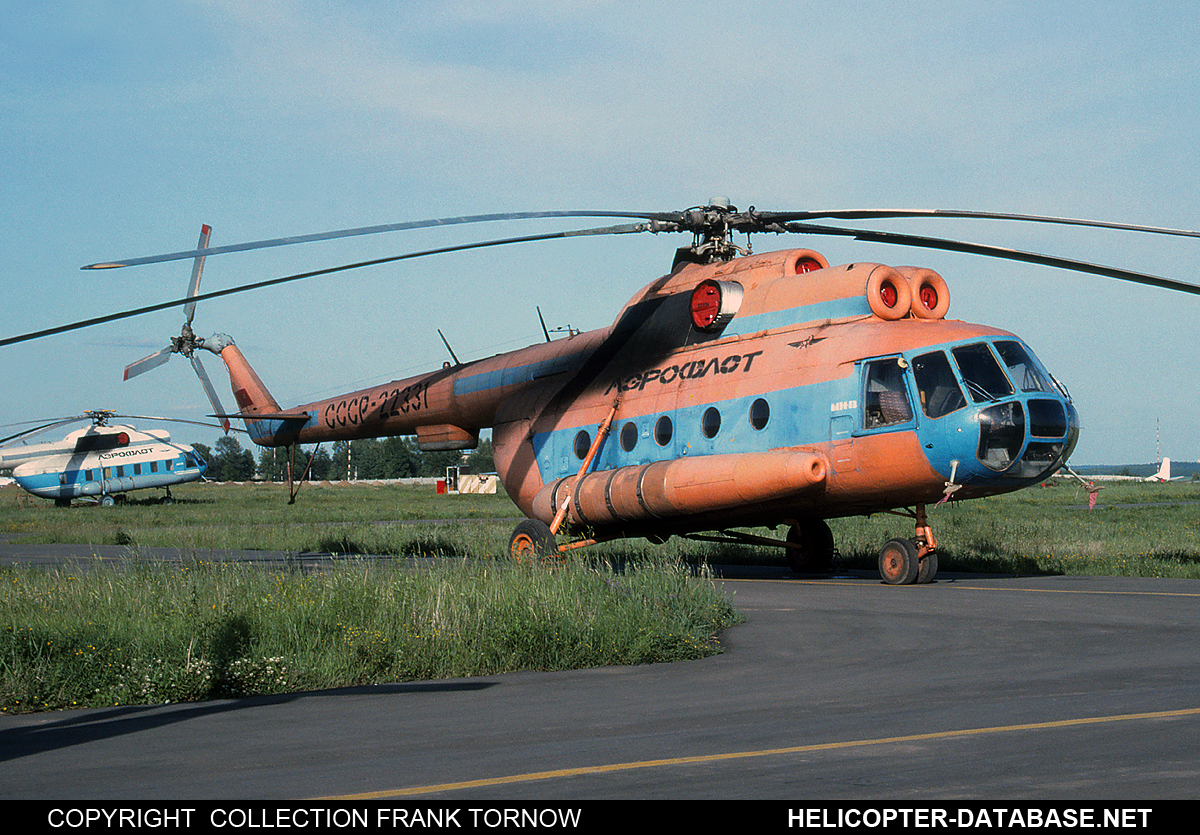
151 633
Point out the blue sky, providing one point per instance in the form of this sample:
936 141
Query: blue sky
125 125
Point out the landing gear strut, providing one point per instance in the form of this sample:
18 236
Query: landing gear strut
906 561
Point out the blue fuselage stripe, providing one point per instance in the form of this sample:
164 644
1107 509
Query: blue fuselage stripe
819 312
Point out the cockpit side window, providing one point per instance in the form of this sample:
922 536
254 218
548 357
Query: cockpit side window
936 385
1021 367
885 397
981 372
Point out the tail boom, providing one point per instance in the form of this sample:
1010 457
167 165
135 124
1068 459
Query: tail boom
445 409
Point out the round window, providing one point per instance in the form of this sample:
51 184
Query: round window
663 430
710 424
629 436
583 442
760 413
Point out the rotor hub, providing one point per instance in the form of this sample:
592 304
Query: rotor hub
186 342
712 228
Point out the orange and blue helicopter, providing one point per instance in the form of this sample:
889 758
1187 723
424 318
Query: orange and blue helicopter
737 391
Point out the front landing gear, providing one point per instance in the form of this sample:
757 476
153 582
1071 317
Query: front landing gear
899 564
903 562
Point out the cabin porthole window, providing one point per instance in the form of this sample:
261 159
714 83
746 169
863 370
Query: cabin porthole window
663 430
583 442
760 413
629 436
710 423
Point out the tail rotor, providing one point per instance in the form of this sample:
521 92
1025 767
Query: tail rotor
187 342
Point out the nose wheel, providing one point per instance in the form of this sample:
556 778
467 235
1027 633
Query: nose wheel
904 562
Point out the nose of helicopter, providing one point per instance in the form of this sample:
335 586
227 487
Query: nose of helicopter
1010 424
1026 439
1003 445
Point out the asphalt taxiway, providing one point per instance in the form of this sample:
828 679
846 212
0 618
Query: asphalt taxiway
834 688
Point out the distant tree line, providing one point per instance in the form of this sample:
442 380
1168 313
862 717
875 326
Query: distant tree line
369 458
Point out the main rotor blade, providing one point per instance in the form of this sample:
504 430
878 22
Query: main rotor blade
368 230
996 252
126 314
801 228
189 310
751 221
956 213
43 427
211 392
181 420
146 363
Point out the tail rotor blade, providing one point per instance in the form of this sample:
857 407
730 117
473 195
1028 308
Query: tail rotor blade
189 309
211 392
146 363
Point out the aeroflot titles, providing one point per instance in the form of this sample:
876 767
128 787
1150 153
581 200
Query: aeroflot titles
688 371
125 453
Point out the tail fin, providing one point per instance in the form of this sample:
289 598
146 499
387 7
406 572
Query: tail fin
1164 471
252 396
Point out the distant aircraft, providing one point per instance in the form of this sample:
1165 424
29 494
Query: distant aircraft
1164 473
101 462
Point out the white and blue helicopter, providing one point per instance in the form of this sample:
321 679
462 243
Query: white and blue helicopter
101 462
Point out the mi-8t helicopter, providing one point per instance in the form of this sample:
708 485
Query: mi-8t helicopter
739 390
101 462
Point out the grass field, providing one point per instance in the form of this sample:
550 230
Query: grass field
188 626
1137 528
185 626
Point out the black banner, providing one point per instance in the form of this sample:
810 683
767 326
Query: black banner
297 817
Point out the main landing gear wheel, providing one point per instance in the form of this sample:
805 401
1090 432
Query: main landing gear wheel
533 543
815 554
